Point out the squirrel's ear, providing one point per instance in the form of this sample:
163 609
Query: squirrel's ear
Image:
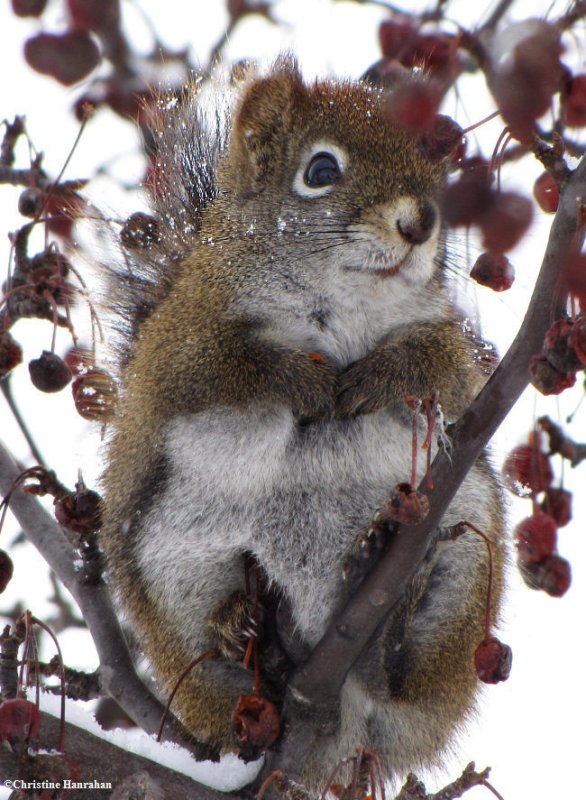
263 123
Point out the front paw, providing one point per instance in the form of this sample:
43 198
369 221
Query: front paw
362 388
314 394
234 623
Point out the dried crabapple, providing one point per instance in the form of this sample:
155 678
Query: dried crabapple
553 575
140 231
557 348
536 537
546 192
68 57
30 201
28 8
95 394
527 470
406 505
493 270
49 373
546 378
505 221
414 105
557 503
493 660
20 721
444 138
256 725
79 511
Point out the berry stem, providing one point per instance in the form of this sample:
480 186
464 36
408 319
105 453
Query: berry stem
180 679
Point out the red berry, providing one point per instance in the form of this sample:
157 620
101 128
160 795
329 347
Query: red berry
493 270
49 373
95 394
31 201
80 511
553 575
67 57
546 192
444 138
6 570
28 8
493 660
414 105
505 221
19 721
527 471
546 378
407 505
557 348
79 359
256 725
395 35
558 505
574 101
467 199
536 537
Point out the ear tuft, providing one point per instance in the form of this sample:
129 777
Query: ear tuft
264 118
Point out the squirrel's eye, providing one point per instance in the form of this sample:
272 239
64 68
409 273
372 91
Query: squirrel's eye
322 170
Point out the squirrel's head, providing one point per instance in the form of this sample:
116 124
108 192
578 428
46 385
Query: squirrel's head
323 162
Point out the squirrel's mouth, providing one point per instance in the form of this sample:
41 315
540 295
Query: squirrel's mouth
378 265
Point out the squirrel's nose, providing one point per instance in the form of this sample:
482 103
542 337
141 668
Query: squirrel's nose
416 228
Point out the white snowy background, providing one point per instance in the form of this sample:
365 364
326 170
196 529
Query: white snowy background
529 729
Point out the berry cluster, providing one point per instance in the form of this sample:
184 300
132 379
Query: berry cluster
46 285
527 473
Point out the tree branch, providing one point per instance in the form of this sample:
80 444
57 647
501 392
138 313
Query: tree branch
118 675
317 685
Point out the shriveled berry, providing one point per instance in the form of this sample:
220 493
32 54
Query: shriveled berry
505 221
80 511
553 575
536 537
444 138
493 660
467 199
557 347
10 353
527 470
546 378
558 505
493 270
49 373
546 192
407 505
6 570
79 359
414 106
67 57
30 201
20 721
256 725
95 395
28 8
